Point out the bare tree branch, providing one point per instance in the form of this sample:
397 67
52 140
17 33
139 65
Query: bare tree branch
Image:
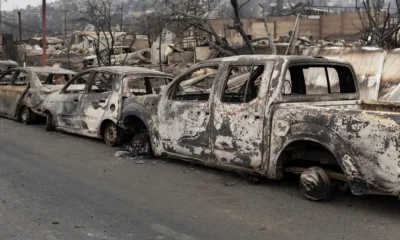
244 4
97 13
237 23
271 41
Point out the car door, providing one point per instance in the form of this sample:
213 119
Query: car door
67 103
5 82
15 91
101 101
238 115
184 113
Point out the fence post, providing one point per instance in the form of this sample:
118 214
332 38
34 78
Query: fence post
342 23
320 26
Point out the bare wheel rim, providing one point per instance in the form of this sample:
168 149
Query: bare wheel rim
315 184
111 134
49 120
25 115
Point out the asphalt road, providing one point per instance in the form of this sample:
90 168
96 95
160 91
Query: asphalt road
59 186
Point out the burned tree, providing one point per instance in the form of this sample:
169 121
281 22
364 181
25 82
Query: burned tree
98 14
378 26
183 15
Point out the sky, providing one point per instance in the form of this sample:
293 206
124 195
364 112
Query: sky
10 4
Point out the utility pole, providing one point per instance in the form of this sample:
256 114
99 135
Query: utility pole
65 26
1 26
44 38
20 27
122 17
65 35
279 7
1 23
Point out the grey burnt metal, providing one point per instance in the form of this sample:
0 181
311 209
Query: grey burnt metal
7 65
376 69
91 103
23 90
281 127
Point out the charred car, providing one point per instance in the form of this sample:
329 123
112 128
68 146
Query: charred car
117 53
23 89
91 103
268 115
6 65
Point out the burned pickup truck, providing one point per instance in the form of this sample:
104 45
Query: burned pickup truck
268 115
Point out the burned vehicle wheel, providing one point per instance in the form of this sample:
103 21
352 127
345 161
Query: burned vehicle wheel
25 115
112 135
315 184
140 145
49 122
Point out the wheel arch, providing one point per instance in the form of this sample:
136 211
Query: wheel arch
320 136
149 120
137 112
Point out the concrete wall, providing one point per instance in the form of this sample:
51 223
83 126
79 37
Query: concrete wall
331 25
258 29
320 27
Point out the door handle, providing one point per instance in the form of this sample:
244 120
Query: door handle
207 114
102 101
76 100
257 117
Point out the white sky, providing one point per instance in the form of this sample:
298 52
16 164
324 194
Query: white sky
10 4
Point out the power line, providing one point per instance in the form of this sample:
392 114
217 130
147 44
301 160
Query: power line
13 26
25 29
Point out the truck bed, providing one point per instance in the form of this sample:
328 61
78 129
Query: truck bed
380 106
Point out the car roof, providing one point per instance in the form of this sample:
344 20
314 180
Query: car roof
47 70
130 70
290 58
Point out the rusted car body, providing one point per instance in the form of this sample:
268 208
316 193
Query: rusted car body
23 89
290 114
91 103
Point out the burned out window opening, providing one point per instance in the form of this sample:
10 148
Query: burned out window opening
78 84
103 82
21 79
7 78
54 79
135 86
139 85
242 84
158 84
196 85
318 80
